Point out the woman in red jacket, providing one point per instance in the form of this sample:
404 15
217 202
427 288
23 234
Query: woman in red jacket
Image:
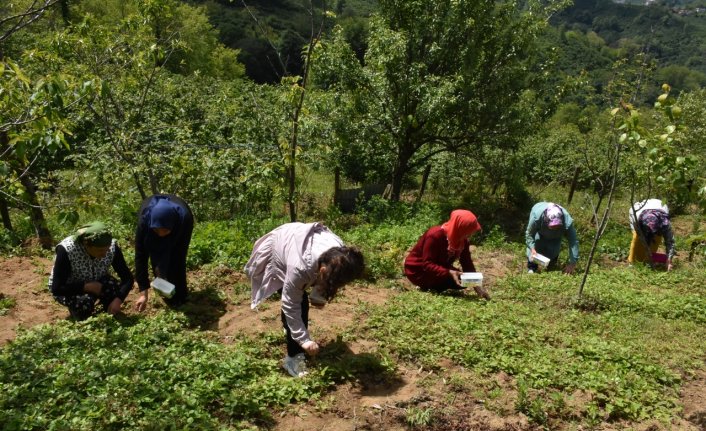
430 263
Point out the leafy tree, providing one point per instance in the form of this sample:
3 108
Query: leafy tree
681 78
131 121
656 163
33 119
438 77
295 91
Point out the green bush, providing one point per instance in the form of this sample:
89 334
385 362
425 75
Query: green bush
226 242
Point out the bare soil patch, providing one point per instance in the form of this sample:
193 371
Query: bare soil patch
693 395
23 281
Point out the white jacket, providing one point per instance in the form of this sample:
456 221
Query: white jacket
287 258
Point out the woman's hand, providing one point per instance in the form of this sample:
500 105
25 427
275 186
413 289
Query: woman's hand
114 307
569 268
141 303
94 287
456 275
311 348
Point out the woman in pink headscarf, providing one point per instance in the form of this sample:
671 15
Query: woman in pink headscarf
430 263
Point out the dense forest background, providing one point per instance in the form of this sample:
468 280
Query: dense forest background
234 105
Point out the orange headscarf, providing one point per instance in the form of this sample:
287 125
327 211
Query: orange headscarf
462 224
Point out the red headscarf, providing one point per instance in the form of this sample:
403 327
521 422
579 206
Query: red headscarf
461 225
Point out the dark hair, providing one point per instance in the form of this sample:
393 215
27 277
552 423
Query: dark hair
344 264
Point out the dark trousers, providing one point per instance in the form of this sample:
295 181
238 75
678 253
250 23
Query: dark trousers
448 284
83 306
293 348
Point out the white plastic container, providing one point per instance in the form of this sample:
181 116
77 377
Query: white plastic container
472 279
541 260
163 287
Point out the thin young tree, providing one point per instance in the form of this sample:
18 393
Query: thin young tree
296 88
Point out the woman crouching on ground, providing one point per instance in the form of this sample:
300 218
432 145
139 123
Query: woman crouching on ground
291 258
81 273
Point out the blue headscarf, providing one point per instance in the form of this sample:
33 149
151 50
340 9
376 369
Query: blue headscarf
164 215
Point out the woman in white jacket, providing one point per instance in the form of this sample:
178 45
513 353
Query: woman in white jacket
291 258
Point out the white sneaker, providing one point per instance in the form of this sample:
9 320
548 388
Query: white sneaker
530 271
295 366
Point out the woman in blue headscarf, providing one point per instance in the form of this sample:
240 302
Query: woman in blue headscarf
164 226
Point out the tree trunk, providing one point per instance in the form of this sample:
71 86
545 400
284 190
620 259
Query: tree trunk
36 214
5 212
601 225
574 181
425 178
336 184
4 142
401 168
65 13
291 198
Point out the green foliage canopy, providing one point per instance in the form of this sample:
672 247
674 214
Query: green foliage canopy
438 77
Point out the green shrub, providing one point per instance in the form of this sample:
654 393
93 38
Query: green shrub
226 242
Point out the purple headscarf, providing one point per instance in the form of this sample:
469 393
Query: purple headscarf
653 222
554 215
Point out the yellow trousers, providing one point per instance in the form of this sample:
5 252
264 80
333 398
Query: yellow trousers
638 252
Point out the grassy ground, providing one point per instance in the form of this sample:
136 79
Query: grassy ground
617 355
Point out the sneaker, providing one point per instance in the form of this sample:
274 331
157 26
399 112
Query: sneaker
530 271
295 366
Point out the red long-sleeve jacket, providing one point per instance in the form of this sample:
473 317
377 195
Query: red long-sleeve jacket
429 262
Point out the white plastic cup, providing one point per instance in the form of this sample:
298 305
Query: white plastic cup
541 260
472 279
163 287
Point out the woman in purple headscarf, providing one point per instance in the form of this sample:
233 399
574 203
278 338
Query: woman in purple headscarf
164 226
650 225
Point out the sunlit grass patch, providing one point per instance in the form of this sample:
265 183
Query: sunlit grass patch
6 304
628 352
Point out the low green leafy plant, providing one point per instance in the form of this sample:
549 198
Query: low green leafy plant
419 417
226 242
627 352
140 374
6 304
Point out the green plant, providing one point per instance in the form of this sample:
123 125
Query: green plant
140 374
226 242
6 304
625 344
495 238
419 417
